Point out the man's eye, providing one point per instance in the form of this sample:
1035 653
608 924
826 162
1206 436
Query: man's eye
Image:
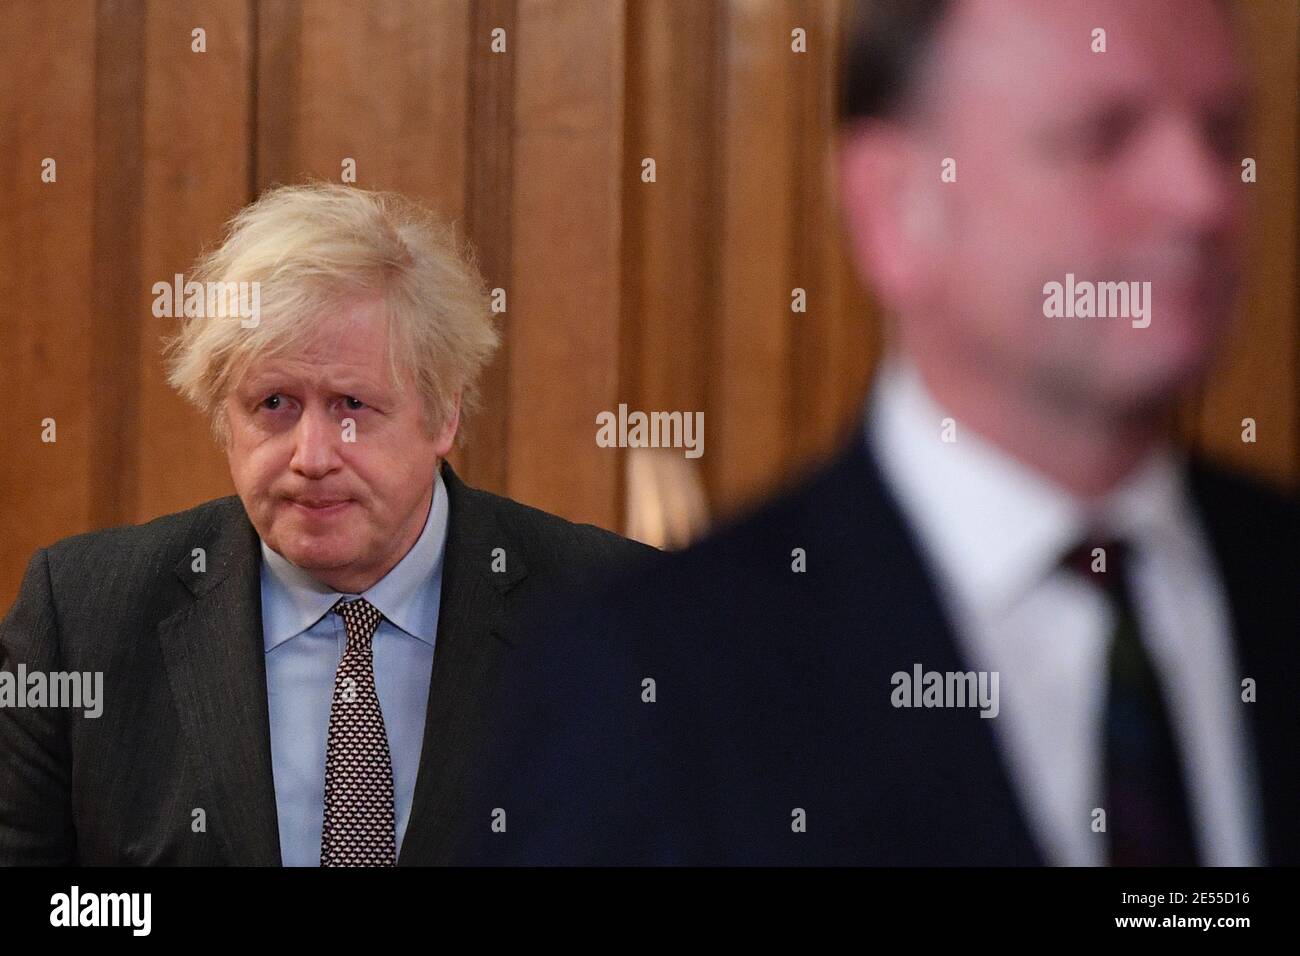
1107 135
354 403
1225 135
1099 136
271 402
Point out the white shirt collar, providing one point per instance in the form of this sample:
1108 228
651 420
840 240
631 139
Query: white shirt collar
992 525
293 600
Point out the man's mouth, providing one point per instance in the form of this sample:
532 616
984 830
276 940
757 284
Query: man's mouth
320 506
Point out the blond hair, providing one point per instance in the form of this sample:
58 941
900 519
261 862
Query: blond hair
312 247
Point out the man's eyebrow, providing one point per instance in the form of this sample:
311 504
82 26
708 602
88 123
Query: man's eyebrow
360 385
1121 103
263 380
270 381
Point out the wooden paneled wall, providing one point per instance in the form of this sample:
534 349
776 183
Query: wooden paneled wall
672 294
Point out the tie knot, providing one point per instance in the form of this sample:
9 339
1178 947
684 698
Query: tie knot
1099 560
360 618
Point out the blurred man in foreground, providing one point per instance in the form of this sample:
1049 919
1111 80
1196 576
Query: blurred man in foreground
1012 623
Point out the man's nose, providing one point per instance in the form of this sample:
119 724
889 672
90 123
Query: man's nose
316 437
1189 180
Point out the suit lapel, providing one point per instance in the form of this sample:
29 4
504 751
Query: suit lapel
467 655
1260 583
977 814
215 660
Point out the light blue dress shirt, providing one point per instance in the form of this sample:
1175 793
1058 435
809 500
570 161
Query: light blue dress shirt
304 644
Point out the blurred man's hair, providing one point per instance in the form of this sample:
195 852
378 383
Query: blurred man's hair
883 53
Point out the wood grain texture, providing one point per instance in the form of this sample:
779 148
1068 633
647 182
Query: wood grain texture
49 298
195 175
485 457
569 176
751 391
672 295
672 227
382 84
114 380
1259 376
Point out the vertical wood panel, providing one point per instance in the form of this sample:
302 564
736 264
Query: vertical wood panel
196 173
484 459
277 29
672 253
1259 377
672 227
569 175
832 348
750 395
382 83
115 265
49 299
858 324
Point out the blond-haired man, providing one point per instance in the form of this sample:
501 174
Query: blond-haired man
295 674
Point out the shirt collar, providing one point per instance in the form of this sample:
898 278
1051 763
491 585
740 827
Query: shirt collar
992 525
293 600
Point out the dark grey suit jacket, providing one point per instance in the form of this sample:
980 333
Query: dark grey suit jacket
184 723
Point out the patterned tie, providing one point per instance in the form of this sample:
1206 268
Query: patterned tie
359 825
1146 806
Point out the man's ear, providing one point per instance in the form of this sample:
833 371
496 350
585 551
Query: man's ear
890 209
446 436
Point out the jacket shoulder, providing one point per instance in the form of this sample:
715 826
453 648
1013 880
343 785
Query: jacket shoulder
1245 506
547 536
149 543
1224 481
818 517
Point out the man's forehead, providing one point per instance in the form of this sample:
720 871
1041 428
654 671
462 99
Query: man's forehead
1043 50
353 335
341 371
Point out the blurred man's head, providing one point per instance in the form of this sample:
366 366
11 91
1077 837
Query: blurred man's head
1121 165
337 403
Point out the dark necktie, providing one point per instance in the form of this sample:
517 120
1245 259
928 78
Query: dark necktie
359 825
1147 815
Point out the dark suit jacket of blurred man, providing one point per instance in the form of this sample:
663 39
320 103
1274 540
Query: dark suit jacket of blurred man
184 674
772 695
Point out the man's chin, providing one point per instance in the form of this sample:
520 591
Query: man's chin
318 559
316 551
